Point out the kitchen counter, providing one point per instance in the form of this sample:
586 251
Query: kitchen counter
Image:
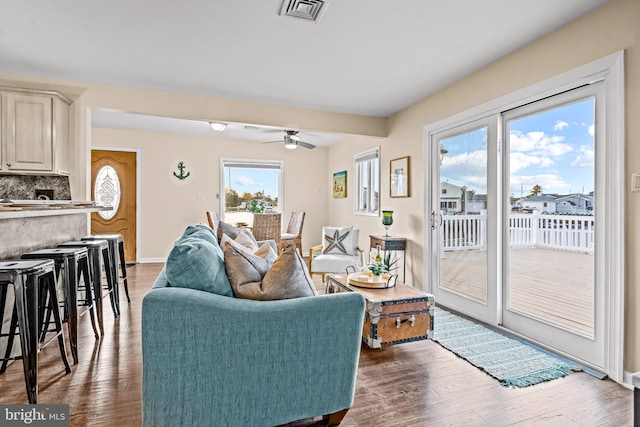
37 227
7 212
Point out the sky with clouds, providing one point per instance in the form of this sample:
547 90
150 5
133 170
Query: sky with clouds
553 149
253 180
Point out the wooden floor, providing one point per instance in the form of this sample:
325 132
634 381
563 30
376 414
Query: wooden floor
413 384
550 285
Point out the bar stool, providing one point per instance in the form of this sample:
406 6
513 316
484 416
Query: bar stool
70 262
29 278
95 249
116 243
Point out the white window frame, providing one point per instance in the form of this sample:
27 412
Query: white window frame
251 163
367 175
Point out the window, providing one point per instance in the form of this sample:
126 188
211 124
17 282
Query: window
247 183
367 182
107 191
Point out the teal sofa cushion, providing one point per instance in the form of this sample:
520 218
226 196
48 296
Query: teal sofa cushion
201 231
197 263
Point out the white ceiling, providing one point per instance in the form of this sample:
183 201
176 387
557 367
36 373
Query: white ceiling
370 57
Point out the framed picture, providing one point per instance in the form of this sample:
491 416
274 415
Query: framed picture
400 176
340 185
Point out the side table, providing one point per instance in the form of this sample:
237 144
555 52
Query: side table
395 249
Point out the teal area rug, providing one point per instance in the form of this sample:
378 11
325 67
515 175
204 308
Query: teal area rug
508 360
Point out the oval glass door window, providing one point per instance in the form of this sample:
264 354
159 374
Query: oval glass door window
107 191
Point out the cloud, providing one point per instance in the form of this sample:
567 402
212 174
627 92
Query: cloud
560 125
550 183
538 144
585 159
518 161
469 169
245 180
592 130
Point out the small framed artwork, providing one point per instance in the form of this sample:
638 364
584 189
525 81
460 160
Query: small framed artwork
400 176
340 185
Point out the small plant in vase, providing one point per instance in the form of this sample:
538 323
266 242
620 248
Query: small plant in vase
378 268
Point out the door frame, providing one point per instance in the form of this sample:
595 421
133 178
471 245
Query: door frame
138 176
610 70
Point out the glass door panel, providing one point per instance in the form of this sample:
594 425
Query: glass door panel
550 290
463 206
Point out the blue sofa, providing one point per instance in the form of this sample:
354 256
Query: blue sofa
213 360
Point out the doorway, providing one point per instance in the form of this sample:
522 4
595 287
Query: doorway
114 184
515 205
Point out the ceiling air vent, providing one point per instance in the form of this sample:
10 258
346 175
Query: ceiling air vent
310 10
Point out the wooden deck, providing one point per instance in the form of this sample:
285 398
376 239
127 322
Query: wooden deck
407 385
550 285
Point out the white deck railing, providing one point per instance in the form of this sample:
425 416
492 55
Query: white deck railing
565 232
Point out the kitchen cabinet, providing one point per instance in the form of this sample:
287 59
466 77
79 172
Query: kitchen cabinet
34 130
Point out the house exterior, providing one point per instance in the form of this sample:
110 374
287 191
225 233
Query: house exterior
544 203
575 204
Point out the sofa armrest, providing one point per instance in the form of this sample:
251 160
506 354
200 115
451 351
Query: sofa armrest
214 360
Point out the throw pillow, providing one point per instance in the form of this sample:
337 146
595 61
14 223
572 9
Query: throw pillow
231 231
201 231
288 277
339 240
245 269
243 239
197 264
254 278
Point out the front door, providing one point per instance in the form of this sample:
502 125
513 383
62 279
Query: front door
113 183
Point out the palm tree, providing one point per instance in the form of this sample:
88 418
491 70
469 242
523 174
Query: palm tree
536 190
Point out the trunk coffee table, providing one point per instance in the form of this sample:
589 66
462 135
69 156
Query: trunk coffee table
393 315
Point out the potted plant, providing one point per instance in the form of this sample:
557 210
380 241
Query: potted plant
377 269
256 206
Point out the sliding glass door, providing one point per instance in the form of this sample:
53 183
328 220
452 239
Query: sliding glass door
551 200
463 214
513 221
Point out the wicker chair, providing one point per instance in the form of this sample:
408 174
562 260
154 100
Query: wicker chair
267 226
293 235
213 219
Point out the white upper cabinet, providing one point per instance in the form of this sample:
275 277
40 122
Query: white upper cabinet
34 130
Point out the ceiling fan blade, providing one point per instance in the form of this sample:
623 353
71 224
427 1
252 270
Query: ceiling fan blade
306 145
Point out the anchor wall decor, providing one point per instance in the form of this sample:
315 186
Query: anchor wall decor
182 175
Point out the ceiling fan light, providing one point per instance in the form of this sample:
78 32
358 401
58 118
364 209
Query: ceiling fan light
291 145
218 127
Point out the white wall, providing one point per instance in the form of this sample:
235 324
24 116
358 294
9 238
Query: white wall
168 205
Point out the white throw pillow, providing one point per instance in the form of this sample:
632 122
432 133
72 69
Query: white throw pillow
339 240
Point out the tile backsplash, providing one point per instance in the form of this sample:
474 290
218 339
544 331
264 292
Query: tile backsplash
23 187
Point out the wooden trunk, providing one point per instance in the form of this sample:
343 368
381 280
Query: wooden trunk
395 315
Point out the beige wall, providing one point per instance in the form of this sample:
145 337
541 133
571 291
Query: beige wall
607 30
611 28
168 205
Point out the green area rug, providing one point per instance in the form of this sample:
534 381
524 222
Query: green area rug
508 360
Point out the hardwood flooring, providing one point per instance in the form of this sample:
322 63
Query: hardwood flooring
413 384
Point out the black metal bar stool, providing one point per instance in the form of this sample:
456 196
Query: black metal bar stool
96 249
70 262
116 243
29 279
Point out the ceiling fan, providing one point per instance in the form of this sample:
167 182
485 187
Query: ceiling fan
292 140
